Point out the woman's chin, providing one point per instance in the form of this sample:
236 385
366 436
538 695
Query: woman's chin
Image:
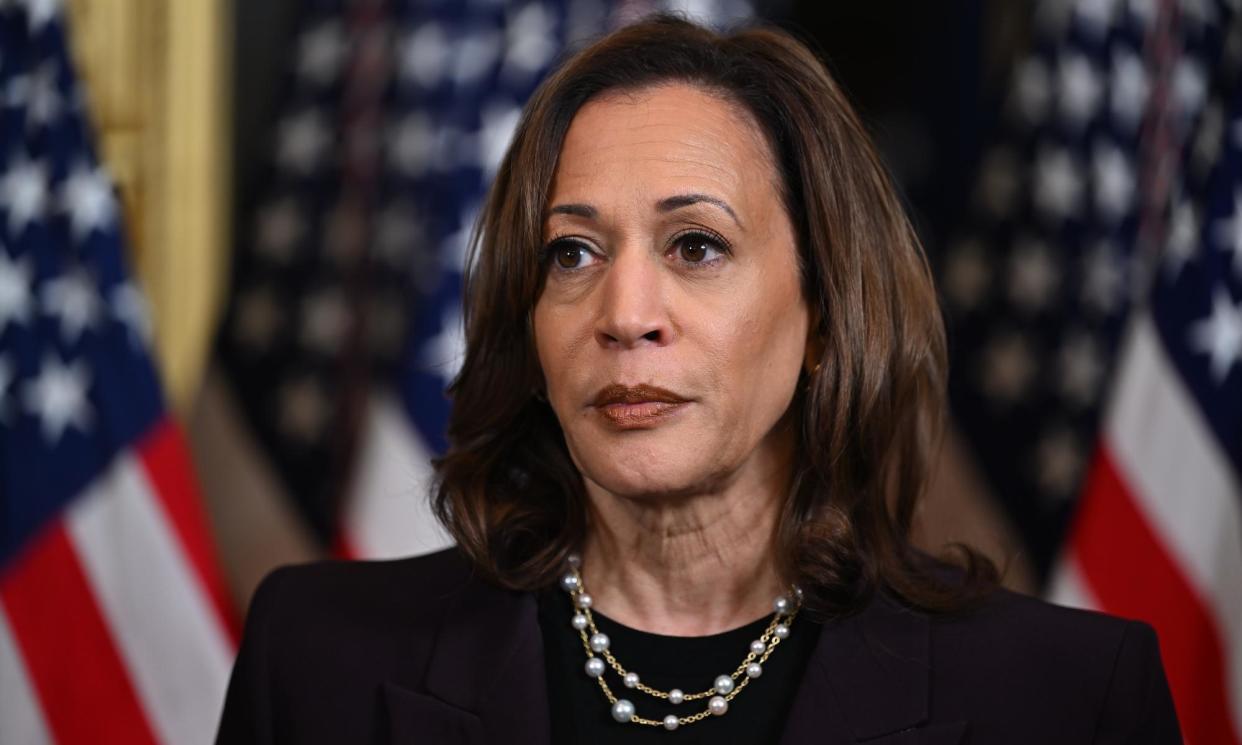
649 481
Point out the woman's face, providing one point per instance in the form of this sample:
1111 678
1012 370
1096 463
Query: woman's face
672 327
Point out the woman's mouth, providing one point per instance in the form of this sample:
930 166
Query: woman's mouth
638 406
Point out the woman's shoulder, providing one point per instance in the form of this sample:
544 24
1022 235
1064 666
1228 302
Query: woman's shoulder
1004 615
1015 655
322 638
335 579
336 591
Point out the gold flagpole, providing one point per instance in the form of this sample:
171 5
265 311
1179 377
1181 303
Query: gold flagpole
157 75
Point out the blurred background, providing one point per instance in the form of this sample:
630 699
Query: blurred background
231 249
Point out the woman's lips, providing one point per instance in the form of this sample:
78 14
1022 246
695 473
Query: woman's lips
636 406
638 416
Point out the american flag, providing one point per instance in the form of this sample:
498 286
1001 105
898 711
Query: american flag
396 116
113 621
1158 535
1038 288
1100 277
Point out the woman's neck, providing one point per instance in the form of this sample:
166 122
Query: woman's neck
685 566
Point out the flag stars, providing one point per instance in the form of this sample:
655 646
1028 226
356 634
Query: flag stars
1143 11
321 53
1060 460
88 198
1113 180
40 13
1183 239
1096 16
1228 232
396 231
424 55
58 396
17 92
304 409
1104 279
499 123
1033 276
1219 335
1058 184
474 56
1080 369
257 320
967 275
530 45
445 352
16 278
1008 368
23 194
73 297
1079 88
43 100
303 140
1205 147
999 183
410 144
129 306
280 227
1129 89
325 322
1034 90
1189 87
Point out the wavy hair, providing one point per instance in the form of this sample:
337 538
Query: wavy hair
869 418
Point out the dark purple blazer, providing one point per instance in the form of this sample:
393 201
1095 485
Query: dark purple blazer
421 651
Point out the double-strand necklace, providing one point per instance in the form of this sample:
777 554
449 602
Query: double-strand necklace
724 689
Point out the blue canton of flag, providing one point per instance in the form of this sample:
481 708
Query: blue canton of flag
463 74
76 384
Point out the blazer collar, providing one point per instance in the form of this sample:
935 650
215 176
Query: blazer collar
868 679
486 669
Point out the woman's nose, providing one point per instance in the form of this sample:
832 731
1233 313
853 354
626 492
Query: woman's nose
632 309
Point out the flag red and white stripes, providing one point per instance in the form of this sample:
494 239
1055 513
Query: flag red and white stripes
1159 537
112 630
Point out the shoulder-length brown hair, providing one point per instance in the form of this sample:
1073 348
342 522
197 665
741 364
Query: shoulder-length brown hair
869 415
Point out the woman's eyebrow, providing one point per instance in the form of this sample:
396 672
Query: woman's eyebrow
669 204
577 210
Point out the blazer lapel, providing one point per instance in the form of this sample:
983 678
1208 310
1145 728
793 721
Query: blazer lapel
868 681
485 677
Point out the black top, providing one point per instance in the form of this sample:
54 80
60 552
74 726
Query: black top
580 713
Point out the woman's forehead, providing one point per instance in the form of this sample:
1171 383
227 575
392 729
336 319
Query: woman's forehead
674 138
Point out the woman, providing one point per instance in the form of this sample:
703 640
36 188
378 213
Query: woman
703 381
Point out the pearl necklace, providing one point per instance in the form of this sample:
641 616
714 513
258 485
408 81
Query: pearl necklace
724 688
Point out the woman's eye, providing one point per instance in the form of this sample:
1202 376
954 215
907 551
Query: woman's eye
697 248
571 255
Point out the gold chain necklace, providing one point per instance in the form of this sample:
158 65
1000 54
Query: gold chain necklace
724 689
